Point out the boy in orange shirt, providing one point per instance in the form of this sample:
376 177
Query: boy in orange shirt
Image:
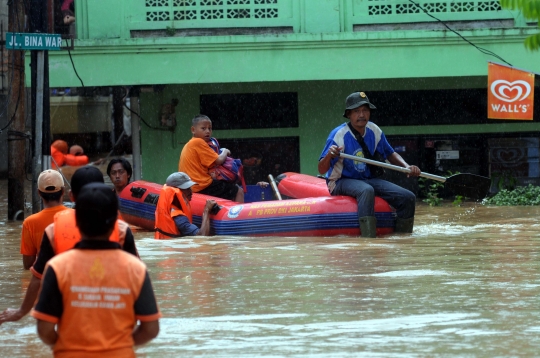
93 295
197 158
51 190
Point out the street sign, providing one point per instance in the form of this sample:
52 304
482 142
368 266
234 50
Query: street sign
22 41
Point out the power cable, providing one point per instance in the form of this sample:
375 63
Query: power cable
483 50
141 118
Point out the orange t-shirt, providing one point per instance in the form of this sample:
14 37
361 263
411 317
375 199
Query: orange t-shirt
33 228
195 160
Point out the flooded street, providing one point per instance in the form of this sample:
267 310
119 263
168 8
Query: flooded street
465 283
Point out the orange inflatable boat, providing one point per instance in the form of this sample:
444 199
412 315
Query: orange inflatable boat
307 210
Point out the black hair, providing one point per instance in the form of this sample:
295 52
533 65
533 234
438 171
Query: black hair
96 209
56 196
83 176
198 118
125 164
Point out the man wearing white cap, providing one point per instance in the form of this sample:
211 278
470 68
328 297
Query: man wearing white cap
51 190
173 211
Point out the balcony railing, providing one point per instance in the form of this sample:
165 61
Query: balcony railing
161 18
202 15
402 11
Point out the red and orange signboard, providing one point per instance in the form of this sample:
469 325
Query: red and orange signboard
510 93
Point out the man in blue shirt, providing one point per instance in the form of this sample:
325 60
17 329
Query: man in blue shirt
362 138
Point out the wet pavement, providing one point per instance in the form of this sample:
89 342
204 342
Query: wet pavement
465 283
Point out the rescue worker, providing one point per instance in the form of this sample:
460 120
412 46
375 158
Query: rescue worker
51 191
94 294
62 235
173 211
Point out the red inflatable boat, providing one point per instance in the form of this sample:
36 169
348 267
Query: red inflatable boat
307 210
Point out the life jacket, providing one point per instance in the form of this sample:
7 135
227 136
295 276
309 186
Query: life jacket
99 290
58 156
76 160
63 234
166 211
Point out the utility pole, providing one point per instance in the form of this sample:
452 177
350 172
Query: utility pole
39 65
16 139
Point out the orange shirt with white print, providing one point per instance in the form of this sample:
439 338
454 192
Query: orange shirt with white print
196 160
33 228
95 294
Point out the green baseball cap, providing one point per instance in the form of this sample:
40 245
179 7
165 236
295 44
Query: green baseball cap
355 100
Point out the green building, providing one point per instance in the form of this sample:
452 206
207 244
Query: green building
273 76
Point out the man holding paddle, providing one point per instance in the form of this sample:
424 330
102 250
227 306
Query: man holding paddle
364 139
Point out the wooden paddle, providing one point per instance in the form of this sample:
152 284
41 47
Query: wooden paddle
469 185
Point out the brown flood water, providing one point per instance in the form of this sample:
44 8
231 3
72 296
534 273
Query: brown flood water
465 283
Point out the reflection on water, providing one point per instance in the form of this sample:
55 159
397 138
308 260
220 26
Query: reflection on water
465 283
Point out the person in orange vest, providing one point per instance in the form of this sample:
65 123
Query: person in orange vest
59 150
76 157
51 191
173 211
61 236
94 294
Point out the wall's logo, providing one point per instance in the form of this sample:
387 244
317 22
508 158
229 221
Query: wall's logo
510 93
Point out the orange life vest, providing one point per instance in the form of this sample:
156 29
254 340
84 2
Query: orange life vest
63 234
99 290
166 211
76 160
58 156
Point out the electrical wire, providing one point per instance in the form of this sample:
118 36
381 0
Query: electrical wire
73 65
482 50
21 69
124 103
141 118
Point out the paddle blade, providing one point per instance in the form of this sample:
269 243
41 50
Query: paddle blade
470 185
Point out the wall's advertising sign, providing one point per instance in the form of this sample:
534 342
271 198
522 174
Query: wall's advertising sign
510 93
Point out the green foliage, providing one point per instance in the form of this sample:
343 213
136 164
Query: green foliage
504 180
432 189
522 195
458 200
530 10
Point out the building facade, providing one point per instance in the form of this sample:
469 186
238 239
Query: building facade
273 76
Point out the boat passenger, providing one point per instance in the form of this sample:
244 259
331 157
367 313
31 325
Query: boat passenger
51 191
173 210
363 138
198 158
61 236
120 171
59 149
73 320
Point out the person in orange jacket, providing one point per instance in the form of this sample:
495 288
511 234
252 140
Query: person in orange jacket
95 299
59 149
76 157
173 211
66 233
51 191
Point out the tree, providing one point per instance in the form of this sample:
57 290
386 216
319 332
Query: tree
530 10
